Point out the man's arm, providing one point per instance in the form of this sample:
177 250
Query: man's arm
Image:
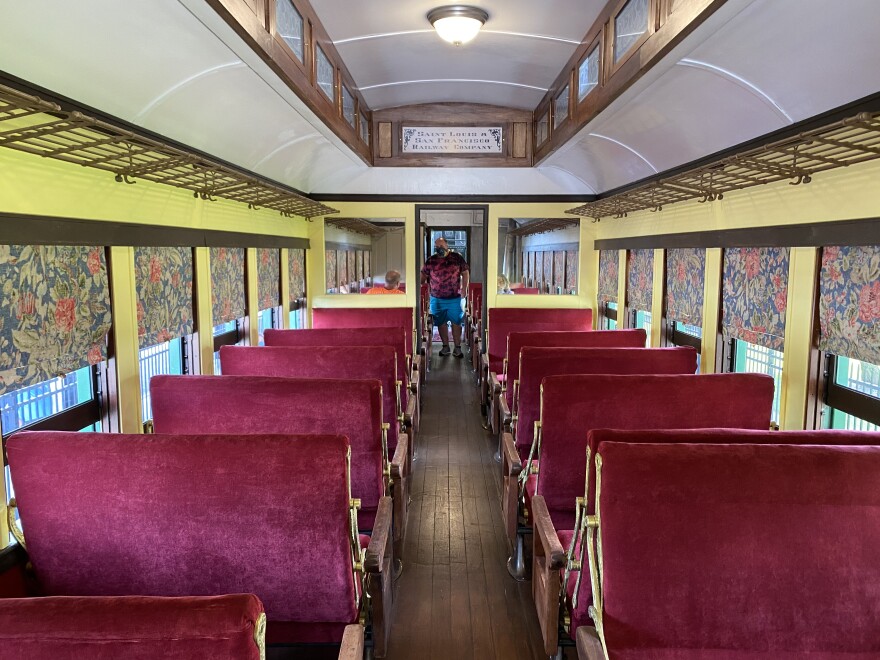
465 280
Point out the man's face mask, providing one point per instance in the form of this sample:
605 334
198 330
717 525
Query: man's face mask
439 249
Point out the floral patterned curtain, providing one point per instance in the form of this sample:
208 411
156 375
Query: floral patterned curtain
608 277
368 272
296 260
548 269
559 269
571 270
55 312
352 268
228 300
685 274
268 277
849 302
754 294
164 286
330 268
640 279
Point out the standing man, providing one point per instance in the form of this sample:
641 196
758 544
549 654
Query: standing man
447 274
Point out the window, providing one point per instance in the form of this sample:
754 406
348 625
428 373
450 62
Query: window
588 74
324 74
744 357
225 334
629 26
289 24
642 319
167 358
365 129
267 318
610 315
682 334
35 403
348 109
560 109
542 131
852 395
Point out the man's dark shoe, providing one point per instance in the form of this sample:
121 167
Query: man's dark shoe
457 352
444 351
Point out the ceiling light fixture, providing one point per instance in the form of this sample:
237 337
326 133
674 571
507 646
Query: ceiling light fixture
457 24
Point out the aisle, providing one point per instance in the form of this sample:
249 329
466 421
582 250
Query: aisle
455 599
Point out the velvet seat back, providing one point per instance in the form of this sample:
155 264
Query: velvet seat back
516 341
504 320
345 362
373 336
131 627
753 551
537 363
475 300
367 317
527 291
573 405
263 404
190 515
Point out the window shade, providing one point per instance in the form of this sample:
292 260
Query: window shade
559 269
571 270
330 268
228 300
164 286
55 314
608 277
296 261
754 295
640 279
685 275
849 302
352 267
268 277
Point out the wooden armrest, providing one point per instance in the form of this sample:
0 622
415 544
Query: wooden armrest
379 539
399 461
545 534
352 643
510 455
494 383
417 362
588 645
410 412
504 413
484 362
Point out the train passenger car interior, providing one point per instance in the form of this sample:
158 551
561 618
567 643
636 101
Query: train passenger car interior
405 330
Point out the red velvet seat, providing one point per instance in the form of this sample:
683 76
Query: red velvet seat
262 404
753 551
537 363
348 337
370 317
132 627
344 362
526 291
504 320
112 514
516 341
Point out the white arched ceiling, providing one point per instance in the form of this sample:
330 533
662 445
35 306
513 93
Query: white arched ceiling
759 66
174 67
388 44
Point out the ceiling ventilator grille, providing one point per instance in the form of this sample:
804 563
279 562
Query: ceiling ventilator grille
797 158
39 127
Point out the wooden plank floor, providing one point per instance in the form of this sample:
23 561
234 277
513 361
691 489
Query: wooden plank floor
454 599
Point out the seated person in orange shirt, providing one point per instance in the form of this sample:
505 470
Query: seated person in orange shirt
392 284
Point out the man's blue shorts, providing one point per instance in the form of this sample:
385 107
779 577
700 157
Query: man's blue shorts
446 309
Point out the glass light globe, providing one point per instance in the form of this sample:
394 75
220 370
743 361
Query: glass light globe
457 30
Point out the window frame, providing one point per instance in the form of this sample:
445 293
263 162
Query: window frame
728 365
546 114
363 127
676 337
594 47
273 17
845 399
230 337
343 90
567 87
613 66
332 100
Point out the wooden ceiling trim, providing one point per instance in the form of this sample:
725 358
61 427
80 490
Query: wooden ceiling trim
254 21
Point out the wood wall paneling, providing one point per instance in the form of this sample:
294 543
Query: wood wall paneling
384 146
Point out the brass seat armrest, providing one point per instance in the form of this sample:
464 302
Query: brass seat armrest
352 643
494 383
545 534
589 646
380 539
399 461
511 456
504 413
